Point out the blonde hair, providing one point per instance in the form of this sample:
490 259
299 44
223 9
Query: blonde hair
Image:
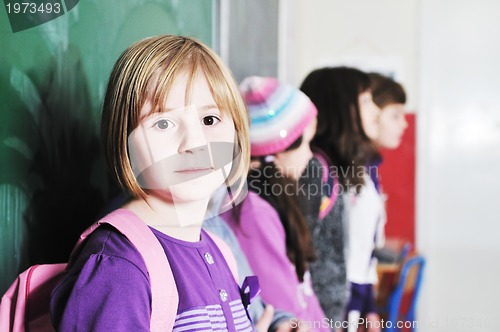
155 62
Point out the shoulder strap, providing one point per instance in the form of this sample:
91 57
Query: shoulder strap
324 165
227 253
331 183
250 287
165 298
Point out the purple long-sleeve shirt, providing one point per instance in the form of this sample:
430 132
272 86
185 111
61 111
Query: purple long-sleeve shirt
107 288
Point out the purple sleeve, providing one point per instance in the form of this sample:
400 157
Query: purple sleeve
262 238
109 294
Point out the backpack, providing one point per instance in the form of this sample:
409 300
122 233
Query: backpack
25 305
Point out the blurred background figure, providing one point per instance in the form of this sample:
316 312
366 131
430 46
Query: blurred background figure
390 97
270 225
348 123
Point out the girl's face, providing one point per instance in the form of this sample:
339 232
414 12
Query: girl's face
185 151
392 125
369 115
293 162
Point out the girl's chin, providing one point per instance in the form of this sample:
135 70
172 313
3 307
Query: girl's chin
394 145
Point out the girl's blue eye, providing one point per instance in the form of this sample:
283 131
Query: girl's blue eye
210 120
163 124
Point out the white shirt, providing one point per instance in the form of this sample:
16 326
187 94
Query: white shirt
366 231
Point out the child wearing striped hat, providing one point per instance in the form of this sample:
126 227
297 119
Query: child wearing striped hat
290 111
272 223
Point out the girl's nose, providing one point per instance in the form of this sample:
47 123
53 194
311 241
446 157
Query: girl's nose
193 138
404 122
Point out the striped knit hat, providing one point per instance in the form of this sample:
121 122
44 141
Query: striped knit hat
279 113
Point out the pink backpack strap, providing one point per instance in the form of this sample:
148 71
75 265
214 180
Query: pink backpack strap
165 298
327 203
228 255
250 287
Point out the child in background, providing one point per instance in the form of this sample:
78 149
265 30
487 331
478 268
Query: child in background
347 124
270 224
174 129
390 97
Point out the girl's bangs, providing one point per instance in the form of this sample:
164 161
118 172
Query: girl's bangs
158 85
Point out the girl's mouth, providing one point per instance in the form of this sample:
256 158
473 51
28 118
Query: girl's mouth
194 170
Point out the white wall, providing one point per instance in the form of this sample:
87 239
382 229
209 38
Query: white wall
369 34
458 156
448 55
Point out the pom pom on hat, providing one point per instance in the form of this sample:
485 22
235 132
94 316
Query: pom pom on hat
278 113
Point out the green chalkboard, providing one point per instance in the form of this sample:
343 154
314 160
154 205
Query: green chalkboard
53 74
